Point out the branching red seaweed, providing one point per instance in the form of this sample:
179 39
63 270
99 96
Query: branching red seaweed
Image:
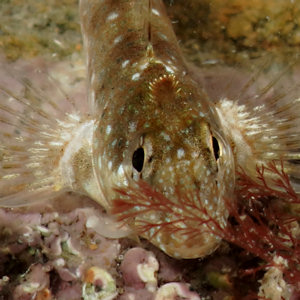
265 222
262 219
142 199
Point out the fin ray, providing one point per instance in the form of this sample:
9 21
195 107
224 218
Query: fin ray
267 120
36 123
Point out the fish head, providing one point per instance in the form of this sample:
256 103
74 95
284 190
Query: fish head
168 136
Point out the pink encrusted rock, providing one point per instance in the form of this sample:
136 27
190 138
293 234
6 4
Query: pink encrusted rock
139 269
69 291
36 280
175 291
170 270
133 294
61 241
54 243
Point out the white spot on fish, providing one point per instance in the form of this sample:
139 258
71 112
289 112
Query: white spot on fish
121 171
136 76
163 36
132 126
56 143
99 161
195 154
152 232
166 136
169 69
155 12
144 65
109 165
125 63
118 39
180 153
112 16
158 238
108 129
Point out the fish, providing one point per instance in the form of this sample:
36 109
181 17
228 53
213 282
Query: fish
149 119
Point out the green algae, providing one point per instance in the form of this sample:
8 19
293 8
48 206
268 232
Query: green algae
39 28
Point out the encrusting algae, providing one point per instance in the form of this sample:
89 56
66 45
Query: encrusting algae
150 127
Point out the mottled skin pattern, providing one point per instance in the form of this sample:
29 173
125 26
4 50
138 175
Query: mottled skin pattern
155 122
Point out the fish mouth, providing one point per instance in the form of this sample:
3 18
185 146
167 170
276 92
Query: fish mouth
181 225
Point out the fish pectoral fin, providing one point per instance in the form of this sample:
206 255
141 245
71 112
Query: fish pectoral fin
35 127
260 134
19 198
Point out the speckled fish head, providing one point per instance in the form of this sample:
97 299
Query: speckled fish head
164 132
154 122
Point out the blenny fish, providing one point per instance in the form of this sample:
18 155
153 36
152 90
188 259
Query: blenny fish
149 119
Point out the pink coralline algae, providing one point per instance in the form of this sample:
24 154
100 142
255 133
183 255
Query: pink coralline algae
56 253
50 252
139 269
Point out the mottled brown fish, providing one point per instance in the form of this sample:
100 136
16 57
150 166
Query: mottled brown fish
149 119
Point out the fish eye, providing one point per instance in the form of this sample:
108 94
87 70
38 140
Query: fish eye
138 159
216 148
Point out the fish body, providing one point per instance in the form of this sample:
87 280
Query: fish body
149 120
155 122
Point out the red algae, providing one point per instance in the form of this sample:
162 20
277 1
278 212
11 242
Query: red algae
263 223
266 220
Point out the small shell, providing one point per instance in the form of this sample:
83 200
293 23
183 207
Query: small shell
174 291
139 269
99 285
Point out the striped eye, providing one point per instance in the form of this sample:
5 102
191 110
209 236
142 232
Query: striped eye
138 158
